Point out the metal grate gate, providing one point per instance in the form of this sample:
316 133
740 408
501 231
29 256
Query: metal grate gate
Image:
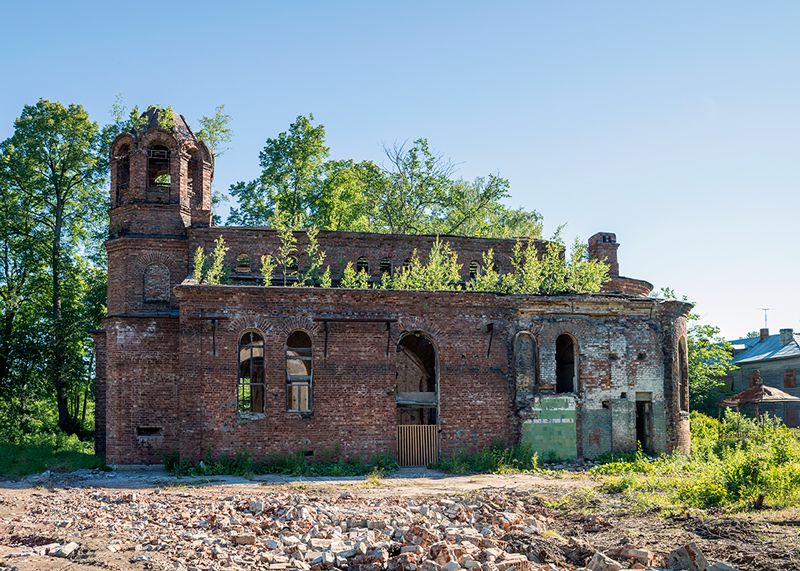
417 444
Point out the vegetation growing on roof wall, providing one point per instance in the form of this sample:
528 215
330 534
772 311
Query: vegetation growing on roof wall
531 273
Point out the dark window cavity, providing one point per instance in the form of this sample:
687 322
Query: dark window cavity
566 369
251 387
474 269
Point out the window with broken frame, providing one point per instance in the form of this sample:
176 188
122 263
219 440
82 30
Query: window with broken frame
251 386
299 372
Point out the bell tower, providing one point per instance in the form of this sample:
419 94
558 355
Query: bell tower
160 186
160 178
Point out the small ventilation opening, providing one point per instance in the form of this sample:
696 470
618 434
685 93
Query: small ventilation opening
148 431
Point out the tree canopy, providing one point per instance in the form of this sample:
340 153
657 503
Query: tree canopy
416 192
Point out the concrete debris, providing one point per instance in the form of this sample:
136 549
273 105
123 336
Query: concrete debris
602 562
687 558
294 531
67 550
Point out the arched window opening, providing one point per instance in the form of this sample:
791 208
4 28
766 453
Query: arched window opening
123 172
525 366
243 264
155 286
159 179
193 180
684 374
566 365
362 264
386 266
251 385
474 269
299 372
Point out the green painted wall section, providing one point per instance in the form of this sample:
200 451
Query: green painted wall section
551 429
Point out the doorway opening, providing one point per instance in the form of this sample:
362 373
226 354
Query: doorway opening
644 422
416 394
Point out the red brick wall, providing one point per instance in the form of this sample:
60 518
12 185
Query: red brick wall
128 259
143 372
100 393
354 402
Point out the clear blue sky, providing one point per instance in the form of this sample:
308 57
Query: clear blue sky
674 124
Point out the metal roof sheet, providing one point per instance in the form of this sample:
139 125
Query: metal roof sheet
754 349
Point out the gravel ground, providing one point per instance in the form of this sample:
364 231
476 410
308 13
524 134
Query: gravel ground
413 521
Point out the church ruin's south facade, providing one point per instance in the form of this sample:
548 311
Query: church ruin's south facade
194 369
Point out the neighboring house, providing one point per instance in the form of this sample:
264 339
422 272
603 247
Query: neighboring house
771 360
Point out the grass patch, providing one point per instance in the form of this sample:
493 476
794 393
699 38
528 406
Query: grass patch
57 453
495 460
246 465
737 463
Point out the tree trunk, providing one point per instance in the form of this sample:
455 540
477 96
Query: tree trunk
65 421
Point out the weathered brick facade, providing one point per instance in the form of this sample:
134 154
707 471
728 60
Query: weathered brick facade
169 356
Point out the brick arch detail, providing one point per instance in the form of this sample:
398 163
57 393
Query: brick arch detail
150 258
190 145
123 139
160 137
290 324
422 325
244 323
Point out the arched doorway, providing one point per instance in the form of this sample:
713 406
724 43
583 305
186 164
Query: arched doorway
417 397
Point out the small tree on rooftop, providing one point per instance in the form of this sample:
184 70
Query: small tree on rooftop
210 270
286 258
584 275
440 272
215 271
354 280
489 279
268 266
311 275
199 265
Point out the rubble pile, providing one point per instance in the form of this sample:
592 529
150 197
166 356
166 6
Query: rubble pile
283 531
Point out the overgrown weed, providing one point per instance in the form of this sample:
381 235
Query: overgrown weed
737 463
245 464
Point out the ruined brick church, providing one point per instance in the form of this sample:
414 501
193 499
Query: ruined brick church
420 375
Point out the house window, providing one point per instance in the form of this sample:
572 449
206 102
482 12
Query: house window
566 364
251 386
386 266
362 265
790 379
299 372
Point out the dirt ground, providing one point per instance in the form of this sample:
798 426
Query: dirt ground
43 511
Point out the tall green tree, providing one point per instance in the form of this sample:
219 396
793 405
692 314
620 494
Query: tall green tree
709 356
415 193
54 161
291 167
709 363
